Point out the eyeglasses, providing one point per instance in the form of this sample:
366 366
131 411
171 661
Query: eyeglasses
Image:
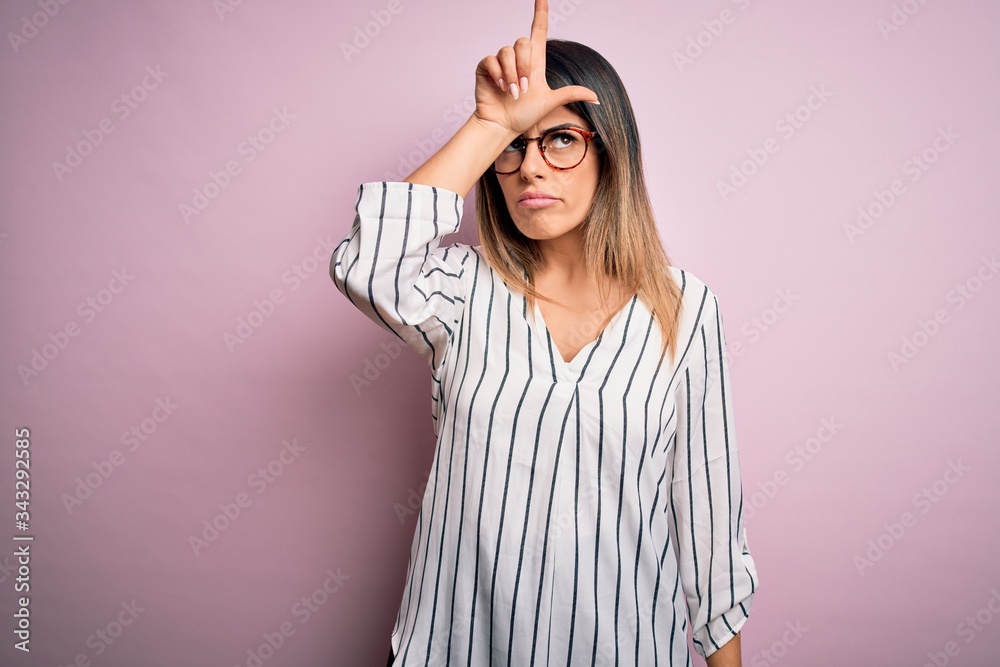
562 148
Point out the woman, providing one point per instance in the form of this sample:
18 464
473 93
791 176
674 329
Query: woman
585 491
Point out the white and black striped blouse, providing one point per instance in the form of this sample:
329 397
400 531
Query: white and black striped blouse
575 511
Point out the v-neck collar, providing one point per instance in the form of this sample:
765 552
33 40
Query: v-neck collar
572 370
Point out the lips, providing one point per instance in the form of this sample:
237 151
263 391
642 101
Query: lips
535 194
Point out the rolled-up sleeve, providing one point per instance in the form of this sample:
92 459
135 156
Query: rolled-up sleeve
706 526
392 268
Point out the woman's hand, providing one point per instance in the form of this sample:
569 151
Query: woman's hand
509 106
499 118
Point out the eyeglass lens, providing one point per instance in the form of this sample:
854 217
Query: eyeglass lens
561 148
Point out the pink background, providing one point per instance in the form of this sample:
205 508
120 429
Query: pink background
332 507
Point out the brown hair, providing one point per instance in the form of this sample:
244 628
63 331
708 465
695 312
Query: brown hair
621 237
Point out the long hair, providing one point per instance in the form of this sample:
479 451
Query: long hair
621 239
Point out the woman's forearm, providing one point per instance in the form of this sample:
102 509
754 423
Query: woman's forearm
728 655
458 164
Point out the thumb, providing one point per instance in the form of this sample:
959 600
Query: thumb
569 94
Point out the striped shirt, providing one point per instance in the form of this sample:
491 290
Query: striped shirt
576 513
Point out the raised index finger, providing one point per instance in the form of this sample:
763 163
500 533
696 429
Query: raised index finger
539 32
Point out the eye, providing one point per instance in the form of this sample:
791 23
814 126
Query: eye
564 139
516 145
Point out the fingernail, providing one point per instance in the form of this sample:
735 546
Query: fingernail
524 84
513 90
501 84
595 102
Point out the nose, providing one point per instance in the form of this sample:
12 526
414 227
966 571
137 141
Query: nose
533 163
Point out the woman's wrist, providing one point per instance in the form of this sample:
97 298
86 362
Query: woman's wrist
459 163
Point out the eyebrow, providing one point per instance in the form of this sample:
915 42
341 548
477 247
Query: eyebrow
561 126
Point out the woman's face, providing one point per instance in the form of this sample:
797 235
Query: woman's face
572 190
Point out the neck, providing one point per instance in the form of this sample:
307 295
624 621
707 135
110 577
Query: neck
563 261
563 275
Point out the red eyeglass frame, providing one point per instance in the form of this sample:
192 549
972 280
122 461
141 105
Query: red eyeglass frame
587 137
